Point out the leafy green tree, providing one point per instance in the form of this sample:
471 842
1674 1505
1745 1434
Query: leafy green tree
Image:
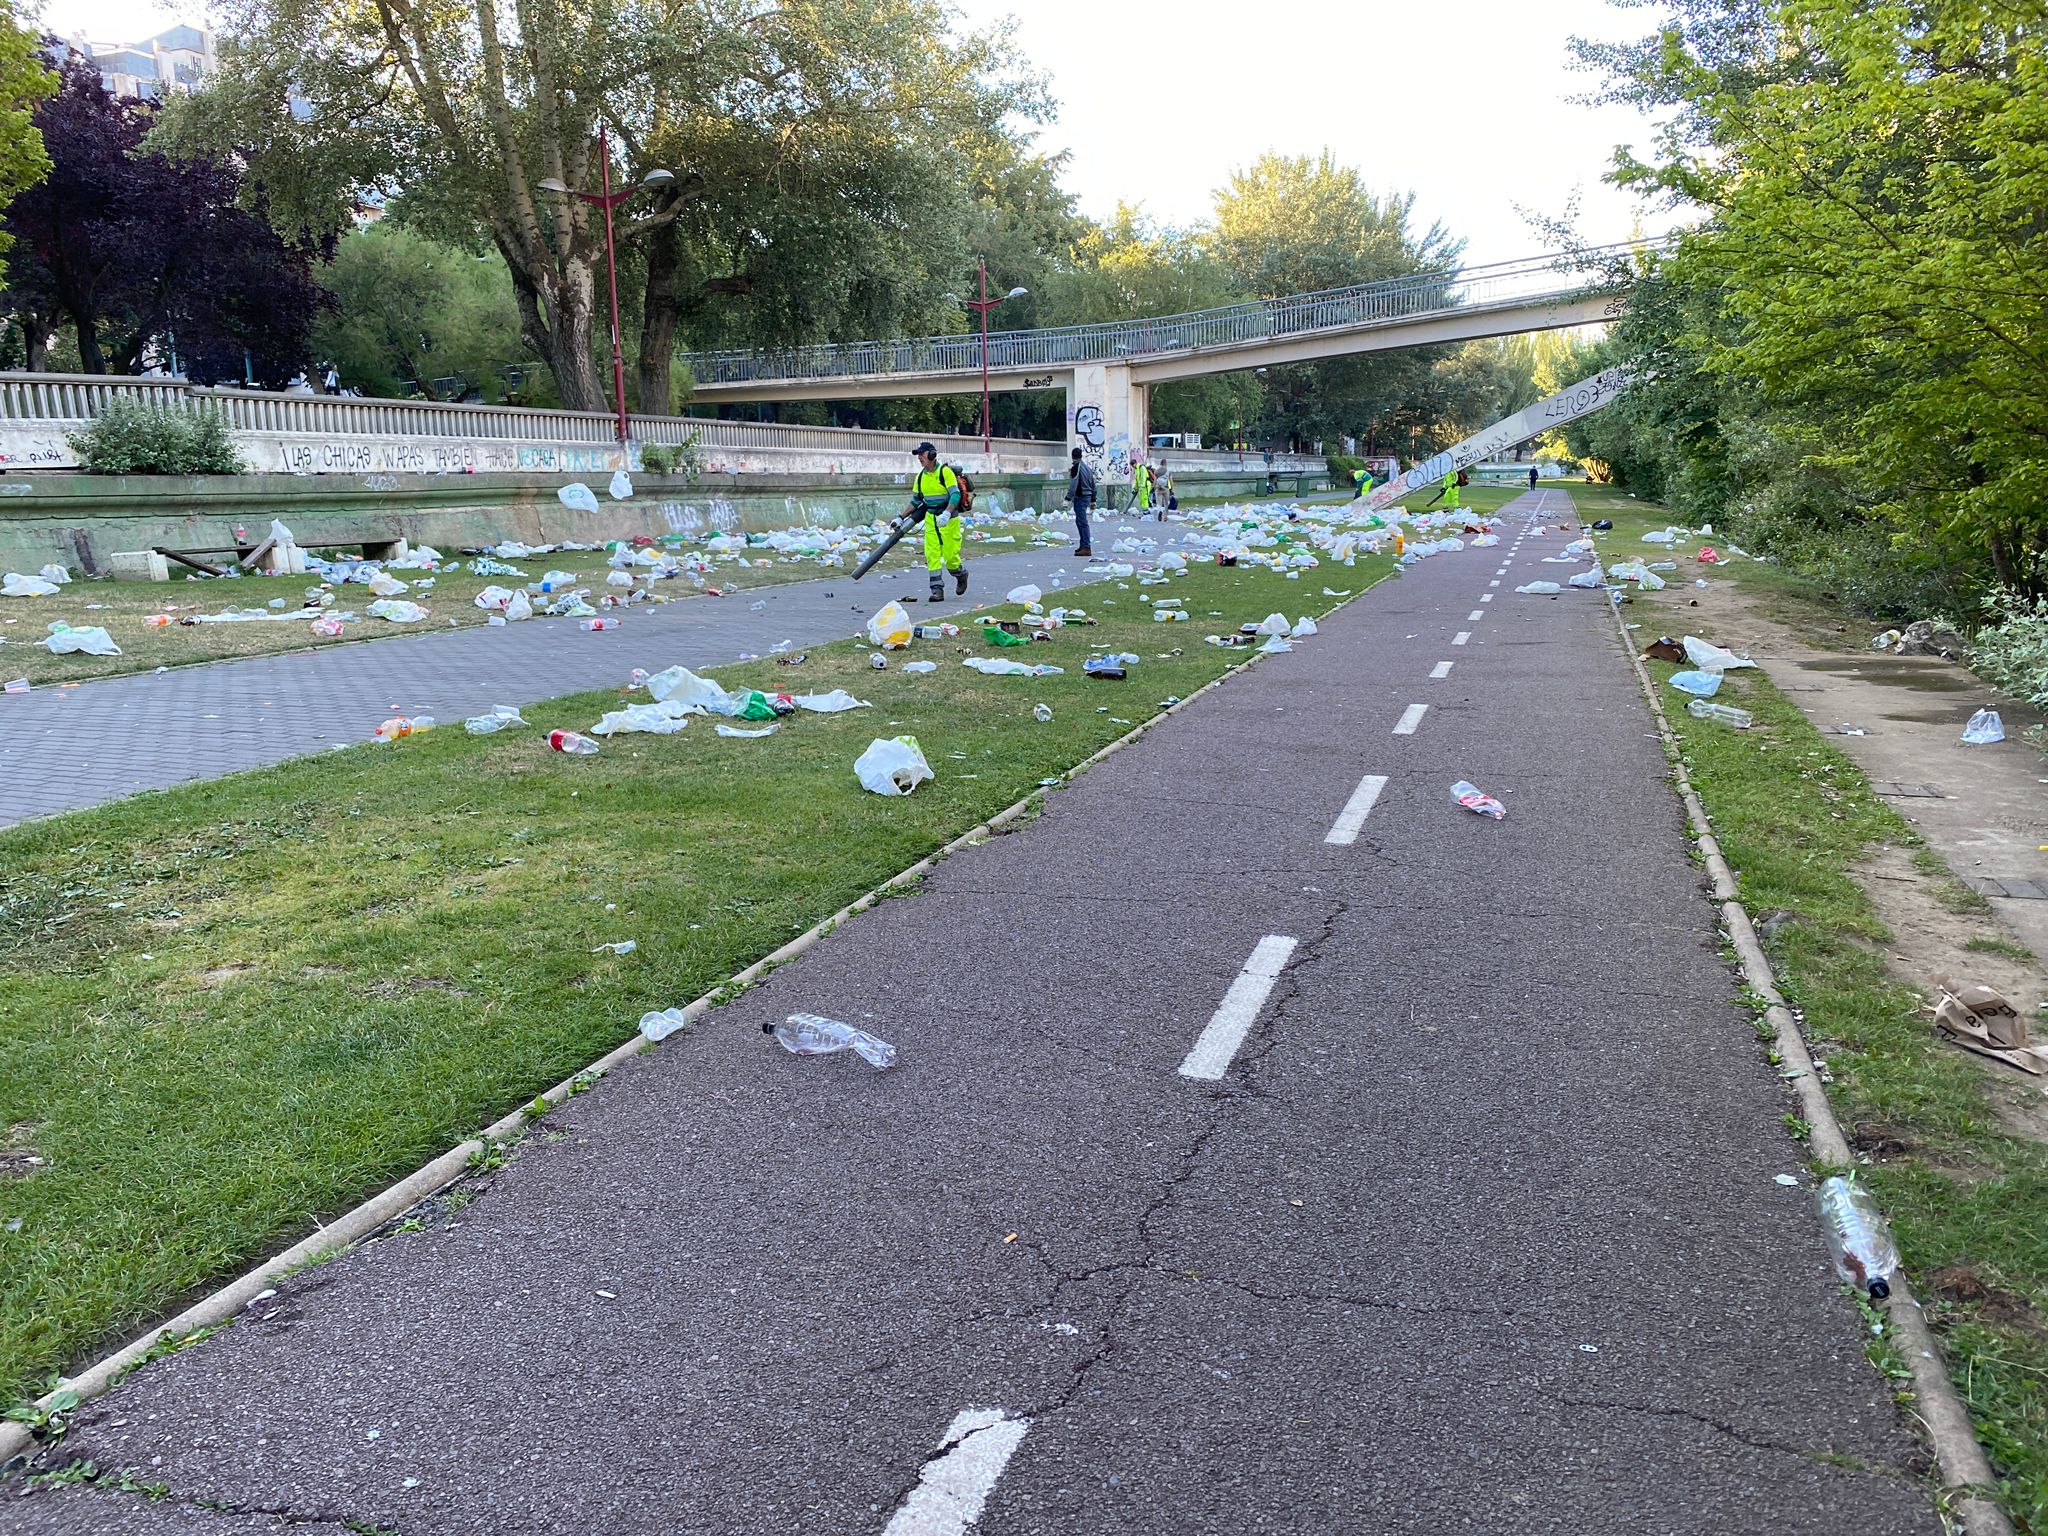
1875 177
414 316
24 81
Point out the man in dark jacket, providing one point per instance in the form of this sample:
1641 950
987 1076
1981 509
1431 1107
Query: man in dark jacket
1081 496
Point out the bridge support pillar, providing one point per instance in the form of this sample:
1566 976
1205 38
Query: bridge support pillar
1106 419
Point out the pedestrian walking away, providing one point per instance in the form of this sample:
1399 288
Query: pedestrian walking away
935 496
1532 477
1163 498
1141 486
1081 497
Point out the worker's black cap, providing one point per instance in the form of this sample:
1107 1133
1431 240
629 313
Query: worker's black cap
924 448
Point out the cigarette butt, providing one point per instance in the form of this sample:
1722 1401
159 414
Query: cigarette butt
1011 1238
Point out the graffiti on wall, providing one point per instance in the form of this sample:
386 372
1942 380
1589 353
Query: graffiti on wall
1120 455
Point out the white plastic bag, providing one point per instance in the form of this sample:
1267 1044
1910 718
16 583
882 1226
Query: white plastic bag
621 486
90 642
833 703
1275 645
396 611
892 765
920 666
494 598
56 573
14 584
1303 627
1984 728
577 497
766 730
1275 624
1588 578
1709 657
520 607
382 585
1027 594
679 685
654 719
1002 666
618 578
282 534
890 628
1541 588
502 717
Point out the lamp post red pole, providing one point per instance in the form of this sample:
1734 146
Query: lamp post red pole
983 305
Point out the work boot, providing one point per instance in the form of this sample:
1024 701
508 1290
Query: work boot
938 588
1085 553
960 582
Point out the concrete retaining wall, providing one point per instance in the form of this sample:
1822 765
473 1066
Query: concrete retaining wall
82 520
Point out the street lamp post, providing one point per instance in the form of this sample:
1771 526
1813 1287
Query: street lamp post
608 200
983 305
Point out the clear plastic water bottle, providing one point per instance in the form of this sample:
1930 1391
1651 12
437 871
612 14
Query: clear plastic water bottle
1473 798
571 742
1042 713
1727 714
1861 1243
659 1026
808 1034
590 624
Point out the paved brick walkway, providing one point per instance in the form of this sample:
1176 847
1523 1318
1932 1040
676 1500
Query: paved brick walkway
65 749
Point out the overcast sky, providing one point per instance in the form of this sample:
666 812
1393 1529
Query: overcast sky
1464 102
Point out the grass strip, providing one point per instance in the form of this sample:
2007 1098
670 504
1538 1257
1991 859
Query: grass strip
1966 1195
231 1008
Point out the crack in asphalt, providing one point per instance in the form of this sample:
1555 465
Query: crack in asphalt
194 1501
1736 1433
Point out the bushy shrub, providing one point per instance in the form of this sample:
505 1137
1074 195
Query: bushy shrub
2011 652
131 438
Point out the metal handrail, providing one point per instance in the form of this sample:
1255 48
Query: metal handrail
1363 304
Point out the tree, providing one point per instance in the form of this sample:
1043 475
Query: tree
412 315
773 113
24 81
1875 180
142 256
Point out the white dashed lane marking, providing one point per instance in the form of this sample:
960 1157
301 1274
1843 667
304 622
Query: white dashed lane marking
1226 1030
954 1485
1411 717
1461 637
1440 671
1356 809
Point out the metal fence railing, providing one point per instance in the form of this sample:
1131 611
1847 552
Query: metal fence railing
1533 279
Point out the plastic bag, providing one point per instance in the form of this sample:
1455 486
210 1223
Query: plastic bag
520 607
654 719
1303 627
621 486
1703 685
577 497
1541 588
382 585
914 666
890 627
501 717
88 642
1709 657
1275 645
1028 595
733 730
839 700
892 765
1984 728
1274 624
493 598
995 634
997 666
282 534
396 611
14 584
1588 578
1664 537
56 573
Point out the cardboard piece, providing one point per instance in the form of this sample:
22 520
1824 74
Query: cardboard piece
1980 1019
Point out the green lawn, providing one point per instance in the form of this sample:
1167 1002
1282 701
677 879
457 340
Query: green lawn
230 1009
1968 1199
123 608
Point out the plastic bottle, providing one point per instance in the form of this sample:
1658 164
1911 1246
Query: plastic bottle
572 743
1864 1253
404 725
157 620
659 1026
1473 798
590 624
1727 714
1042 712
806 1034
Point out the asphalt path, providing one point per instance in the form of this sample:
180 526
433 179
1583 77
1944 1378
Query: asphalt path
1236 1176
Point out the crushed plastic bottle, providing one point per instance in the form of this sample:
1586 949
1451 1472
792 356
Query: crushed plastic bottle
1861 1243
1473 798
501 716
1727 714
404 725
807 1034
1042 713
591 624
574 744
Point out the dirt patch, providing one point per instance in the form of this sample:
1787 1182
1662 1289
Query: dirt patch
18 1155
1961 1284
222 974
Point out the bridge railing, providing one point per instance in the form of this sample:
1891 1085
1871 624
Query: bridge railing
1366 304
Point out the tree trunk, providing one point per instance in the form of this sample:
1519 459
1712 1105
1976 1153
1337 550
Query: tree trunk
659 312
560 322
90 357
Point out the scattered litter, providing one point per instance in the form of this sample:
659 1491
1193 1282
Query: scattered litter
622 947
833 703
807 1034
403 725
996 666
1590 578
920 666
1864 1253
14 584
1541 589
1303 628
890 628
878 661
1663 648
500 717
577 497
63 640
1702 685
1790 1181
396 611
659 1026
1727 714
621 486
571 743
1275 646
654 719
733 730
892 765
1850 730
1030 596
1042 713
22 685
591 625
1984 728
1710 657
1980 1019
1273 624
1474 799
